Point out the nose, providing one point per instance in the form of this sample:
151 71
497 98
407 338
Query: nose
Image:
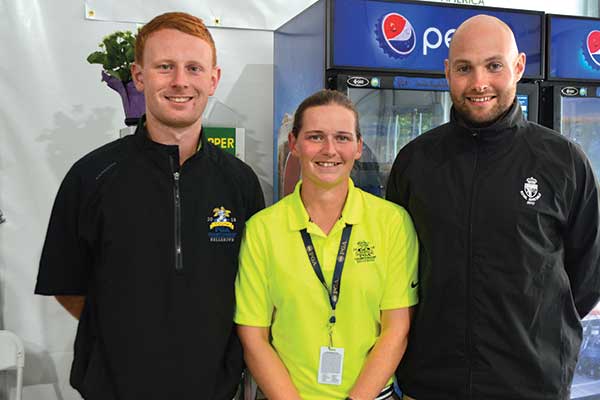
329 145
479 80
180 78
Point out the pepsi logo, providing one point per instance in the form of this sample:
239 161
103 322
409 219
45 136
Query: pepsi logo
396 35
593 46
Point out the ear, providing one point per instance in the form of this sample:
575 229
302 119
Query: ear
292 143
359 149
137 76
215 77
520 66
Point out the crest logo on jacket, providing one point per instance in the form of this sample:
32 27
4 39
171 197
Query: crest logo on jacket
221 226
364 252
530 191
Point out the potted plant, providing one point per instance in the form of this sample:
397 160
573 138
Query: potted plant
116 56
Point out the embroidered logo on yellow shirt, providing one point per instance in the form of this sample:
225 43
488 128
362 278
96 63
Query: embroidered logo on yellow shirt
221 226
364 252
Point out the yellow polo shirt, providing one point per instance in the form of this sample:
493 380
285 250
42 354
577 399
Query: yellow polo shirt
277 287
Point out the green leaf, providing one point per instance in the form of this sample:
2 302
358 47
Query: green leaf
116 55
130 54
96 58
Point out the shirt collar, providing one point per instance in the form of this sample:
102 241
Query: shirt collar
351 214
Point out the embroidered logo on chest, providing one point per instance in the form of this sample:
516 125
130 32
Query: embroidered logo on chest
530 191
364 252
221 225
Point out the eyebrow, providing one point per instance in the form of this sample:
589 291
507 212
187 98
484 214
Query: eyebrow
323 132
492 58
173 61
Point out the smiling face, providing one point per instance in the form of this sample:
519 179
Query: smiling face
326 145
482 69
177 76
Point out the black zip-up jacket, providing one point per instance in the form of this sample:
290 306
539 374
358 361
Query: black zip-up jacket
153 247
508 221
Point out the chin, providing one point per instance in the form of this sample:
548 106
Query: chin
183 122
333 182
480 119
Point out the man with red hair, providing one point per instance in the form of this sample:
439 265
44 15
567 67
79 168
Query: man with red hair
142 244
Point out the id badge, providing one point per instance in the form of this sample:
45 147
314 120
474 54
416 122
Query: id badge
331 365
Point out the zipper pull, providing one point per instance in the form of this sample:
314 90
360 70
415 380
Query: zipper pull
176 178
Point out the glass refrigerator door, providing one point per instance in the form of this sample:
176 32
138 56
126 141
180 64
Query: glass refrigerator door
580 121
389 119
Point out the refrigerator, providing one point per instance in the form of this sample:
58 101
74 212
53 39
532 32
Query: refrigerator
570 104
388 57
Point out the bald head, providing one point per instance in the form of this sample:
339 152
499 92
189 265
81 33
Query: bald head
491 30
483 68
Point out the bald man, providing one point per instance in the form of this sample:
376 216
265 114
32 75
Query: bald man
507 214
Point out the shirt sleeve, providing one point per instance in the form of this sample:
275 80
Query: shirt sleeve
401 284
65 261
582 237
254 306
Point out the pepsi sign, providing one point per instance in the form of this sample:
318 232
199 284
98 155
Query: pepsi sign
593 48
396 35
414 37
574 48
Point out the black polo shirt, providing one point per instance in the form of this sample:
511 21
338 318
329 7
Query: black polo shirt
154 248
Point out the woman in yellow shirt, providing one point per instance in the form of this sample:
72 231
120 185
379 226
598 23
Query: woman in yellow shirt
324 287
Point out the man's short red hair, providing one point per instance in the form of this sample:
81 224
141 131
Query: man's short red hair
180 21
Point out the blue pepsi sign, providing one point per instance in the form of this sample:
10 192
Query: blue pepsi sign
414 37
574 48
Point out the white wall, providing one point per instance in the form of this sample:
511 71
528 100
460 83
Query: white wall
53 110
247 14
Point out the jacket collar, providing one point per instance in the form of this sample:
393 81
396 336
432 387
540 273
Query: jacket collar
142 139
498 130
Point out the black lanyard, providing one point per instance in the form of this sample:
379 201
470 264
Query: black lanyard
334 293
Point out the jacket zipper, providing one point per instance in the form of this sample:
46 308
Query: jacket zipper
469 333
177 217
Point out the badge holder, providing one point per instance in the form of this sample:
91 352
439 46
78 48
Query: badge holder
331 359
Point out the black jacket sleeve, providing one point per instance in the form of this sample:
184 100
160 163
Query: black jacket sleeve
582 236
398 189
65 260
257 198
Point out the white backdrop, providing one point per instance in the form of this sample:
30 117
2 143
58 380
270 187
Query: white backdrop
270 14
248 14
54 109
